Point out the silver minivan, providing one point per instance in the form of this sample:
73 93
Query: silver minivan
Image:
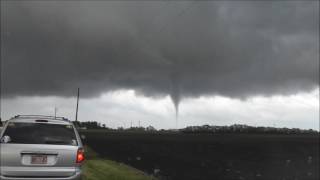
40 148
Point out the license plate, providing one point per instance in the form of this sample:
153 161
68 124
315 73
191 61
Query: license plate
39 159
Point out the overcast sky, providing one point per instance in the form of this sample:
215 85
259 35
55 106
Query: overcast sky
218 62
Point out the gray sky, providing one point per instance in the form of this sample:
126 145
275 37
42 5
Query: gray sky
161 52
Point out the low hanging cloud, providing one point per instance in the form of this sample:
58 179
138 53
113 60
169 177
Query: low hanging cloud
181 49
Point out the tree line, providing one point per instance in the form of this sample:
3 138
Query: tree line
235 128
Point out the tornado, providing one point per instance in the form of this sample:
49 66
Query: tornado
175 97
175 93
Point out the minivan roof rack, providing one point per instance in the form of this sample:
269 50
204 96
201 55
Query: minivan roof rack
40 116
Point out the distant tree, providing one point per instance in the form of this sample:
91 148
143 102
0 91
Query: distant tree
88 124
150 128
238 128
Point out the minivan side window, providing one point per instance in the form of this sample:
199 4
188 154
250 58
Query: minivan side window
40 133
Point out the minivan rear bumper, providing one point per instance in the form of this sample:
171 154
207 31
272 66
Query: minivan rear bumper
76 176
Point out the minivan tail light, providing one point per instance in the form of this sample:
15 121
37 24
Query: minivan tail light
80 155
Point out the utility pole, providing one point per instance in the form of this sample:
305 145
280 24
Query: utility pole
77 104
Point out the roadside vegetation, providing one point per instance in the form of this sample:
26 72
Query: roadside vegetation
96 168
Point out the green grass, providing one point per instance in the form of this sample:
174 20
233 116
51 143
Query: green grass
96 168
100 169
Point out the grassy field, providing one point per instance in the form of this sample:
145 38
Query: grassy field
99 169
96 168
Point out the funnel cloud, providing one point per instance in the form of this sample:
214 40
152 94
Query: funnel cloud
180 49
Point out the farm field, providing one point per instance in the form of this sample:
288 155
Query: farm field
175 156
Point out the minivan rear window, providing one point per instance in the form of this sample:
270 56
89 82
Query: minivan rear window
40 133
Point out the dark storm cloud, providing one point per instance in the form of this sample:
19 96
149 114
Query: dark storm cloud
184 49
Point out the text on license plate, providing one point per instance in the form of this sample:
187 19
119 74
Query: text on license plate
39 159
